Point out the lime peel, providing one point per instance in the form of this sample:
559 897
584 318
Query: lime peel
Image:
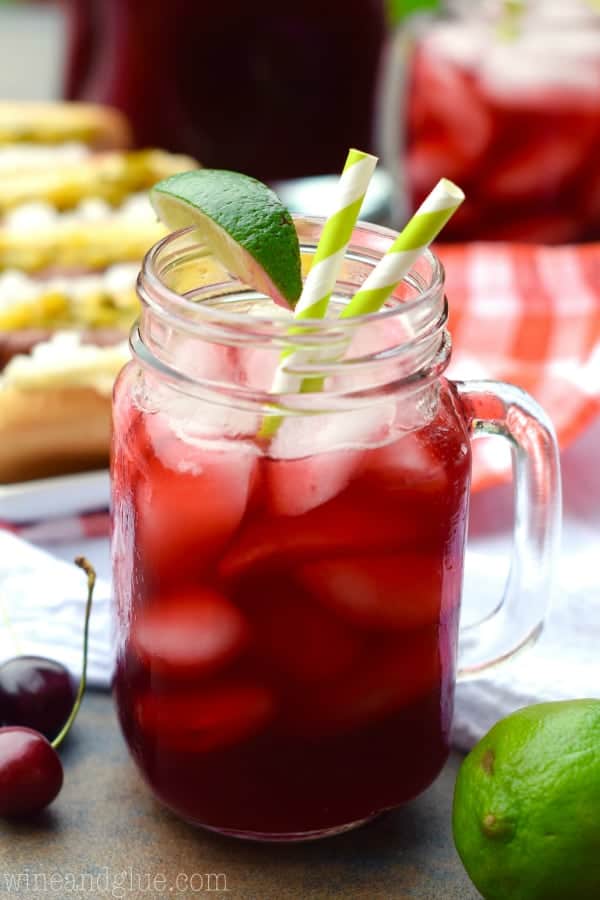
242 222
525 812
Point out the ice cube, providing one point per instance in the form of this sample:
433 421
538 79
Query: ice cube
301 436
460 42
341 527
257 367
384 683
452 106
206 720
391 591
205 409
295 486
190 500
198 420
202 360
188 633
539 166
382 337
540 61
409 462
313 458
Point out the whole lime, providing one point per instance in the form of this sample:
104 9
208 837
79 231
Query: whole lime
526 816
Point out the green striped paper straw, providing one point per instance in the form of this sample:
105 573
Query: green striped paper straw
420 231
415 237
328 258
335 236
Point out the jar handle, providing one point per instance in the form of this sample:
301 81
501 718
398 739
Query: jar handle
493 408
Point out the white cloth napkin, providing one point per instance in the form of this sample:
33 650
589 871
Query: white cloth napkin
43 596
42 605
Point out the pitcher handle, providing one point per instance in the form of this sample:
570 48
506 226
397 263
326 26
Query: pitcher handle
495 408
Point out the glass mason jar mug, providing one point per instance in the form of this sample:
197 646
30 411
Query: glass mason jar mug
288 567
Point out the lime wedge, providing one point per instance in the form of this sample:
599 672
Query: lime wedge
242 222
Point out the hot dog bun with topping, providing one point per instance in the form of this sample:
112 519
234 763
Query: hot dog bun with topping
75 223
97 127
55 406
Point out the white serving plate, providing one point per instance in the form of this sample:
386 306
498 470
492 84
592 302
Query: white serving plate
48 498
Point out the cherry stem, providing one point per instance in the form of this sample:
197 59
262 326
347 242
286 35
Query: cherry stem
82 562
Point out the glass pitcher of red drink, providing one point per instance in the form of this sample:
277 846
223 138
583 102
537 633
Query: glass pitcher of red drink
288 607
503 97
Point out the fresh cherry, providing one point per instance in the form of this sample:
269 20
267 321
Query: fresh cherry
31 773
36 692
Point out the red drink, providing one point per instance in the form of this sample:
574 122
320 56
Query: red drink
513 116
268 88
287 606
288 671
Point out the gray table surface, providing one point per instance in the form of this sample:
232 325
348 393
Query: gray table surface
106 837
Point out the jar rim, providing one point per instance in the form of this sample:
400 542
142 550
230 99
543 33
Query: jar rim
164 300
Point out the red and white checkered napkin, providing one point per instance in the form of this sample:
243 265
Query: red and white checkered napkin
525 314
529 315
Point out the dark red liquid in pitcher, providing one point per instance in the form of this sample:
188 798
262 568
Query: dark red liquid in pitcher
287 628
269 88
526 156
